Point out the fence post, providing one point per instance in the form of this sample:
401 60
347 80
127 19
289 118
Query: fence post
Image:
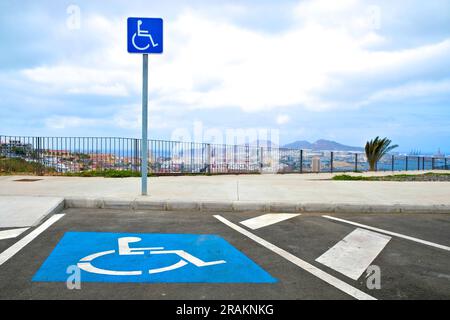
225 157
406 163
247 157
418 163
301 161
331 161
261 163
191 159
356 162
39 155
208 157
393 162
445 163
432 163
136 156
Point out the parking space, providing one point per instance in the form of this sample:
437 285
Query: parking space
409 269
185 255
6 242
291 282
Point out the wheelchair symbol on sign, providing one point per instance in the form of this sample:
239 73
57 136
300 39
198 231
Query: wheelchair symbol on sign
124 249
144 34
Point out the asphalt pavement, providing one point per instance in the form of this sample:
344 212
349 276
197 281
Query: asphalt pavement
228 255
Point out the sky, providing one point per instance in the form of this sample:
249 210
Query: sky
343 70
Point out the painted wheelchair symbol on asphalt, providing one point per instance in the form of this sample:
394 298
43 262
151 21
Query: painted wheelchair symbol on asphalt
124 249
149 258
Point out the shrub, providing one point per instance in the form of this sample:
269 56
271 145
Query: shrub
21 166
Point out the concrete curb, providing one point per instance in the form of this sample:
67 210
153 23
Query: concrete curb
53 210
249 206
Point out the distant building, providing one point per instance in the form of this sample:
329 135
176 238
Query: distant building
439 154
15 149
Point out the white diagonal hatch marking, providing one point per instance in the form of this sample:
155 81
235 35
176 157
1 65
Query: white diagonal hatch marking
328 278
352 255
16 247
428 243
266 220
11 233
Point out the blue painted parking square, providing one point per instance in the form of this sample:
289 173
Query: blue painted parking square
154 258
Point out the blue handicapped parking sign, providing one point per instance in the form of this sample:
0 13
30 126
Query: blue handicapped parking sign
153 258
145 35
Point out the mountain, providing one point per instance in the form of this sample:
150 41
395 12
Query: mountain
301 144
322 145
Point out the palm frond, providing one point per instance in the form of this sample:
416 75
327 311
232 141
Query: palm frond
376 149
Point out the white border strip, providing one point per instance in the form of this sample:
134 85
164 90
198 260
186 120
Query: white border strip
335 282
267 220
16 247
428 243
355 252
12 233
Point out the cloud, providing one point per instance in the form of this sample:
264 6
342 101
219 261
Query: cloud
420 89
229 66
125 117
65 122
212 63
282 119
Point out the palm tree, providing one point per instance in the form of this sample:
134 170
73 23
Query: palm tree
376 149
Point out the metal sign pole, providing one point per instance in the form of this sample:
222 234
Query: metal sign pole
141 40
144 143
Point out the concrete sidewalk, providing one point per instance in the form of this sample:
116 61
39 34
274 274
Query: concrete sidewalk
26 211
268 193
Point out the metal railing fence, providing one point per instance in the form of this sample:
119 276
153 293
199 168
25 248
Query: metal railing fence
62 155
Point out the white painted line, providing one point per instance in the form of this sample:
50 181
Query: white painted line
11 251
266 220
335 282
428 243
11 233
177 265
352 255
